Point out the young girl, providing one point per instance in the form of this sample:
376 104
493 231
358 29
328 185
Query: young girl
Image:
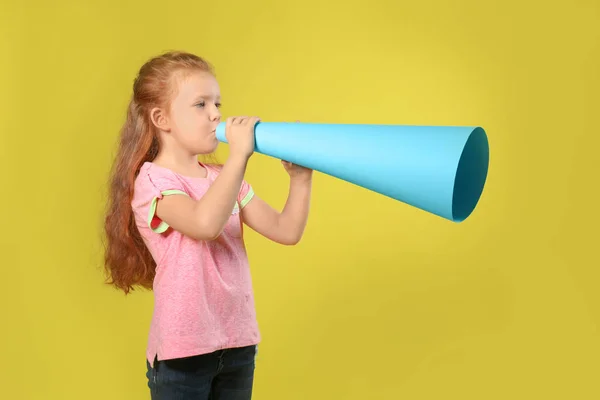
175 225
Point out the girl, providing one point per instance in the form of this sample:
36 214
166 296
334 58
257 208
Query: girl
175 225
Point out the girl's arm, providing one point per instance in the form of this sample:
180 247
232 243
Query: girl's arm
205 219
285 227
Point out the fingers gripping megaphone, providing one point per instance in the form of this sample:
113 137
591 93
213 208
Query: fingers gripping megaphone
438 169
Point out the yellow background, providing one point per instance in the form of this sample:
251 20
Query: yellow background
380 300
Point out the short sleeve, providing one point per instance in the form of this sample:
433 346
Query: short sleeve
153 185
246 194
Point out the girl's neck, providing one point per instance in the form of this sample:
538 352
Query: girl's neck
186 165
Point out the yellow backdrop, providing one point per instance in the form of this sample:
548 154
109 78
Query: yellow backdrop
380 300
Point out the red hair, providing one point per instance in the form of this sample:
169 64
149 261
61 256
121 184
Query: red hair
127 261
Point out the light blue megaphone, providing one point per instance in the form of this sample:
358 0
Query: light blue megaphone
438 169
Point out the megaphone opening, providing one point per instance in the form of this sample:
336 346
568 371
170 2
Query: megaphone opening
471 175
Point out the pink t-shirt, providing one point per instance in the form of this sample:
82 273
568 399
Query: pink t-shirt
203 296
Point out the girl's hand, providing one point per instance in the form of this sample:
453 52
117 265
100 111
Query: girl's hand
239 132
297 171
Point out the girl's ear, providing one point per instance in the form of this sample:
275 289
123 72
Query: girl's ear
159 119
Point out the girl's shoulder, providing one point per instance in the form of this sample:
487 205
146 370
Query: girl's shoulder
213 167
155 180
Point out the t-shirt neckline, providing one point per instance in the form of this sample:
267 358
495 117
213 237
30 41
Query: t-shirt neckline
208 171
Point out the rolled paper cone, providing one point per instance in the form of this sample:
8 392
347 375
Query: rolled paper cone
438 169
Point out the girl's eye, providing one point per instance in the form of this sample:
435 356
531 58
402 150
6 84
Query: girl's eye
218 105
200 104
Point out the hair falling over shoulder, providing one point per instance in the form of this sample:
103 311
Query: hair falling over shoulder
127 261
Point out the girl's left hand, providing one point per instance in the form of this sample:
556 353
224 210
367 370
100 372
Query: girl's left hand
297 171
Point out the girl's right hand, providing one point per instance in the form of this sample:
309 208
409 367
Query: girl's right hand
239 132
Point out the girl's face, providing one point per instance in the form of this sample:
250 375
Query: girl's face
194 113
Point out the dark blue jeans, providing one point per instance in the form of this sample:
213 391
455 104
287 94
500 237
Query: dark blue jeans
223 375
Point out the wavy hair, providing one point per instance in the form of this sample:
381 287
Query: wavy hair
127 260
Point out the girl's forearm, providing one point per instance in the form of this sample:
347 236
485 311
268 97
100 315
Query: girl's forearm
294 216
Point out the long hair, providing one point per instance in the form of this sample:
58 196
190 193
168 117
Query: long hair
127 260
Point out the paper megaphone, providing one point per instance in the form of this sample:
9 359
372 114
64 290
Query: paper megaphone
438 169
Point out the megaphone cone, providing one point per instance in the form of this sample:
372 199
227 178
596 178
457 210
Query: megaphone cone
438 169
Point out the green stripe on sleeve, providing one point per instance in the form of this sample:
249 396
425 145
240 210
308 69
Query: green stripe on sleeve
247 198
163 226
